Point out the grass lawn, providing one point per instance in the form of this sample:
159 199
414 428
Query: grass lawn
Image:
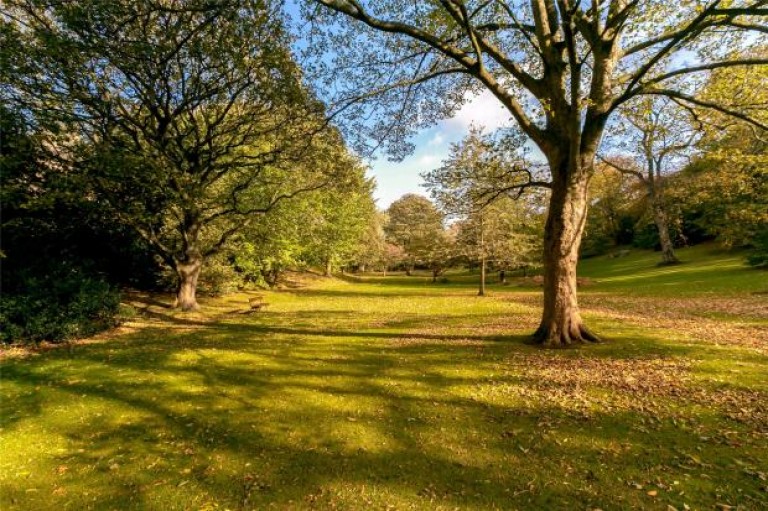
395 393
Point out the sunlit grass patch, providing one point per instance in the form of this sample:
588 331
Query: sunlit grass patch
389 394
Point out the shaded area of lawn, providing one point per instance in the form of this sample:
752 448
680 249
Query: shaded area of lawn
368 396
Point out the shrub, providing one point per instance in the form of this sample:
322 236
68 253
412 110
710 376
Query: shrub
66 303
758 256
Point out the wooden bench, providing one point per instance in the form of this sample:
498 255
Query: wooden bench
257 302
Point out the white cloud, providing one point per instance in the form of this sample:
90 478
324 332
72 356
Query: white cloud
437 140
483 110
432 147
428 159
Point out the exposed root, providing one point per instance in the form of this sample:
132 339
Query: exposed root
187 307
550 337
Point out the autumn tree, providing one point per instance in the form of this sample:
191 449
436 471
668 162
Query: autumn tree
726 187
189 116
560 67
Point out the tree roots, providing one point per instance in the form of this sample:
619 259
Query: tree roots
553 337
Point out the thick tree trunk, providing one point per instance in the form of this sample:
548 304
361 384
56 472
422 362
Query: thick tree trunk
328 268
662 224
502 277
409 269
188 272
561 323
189 265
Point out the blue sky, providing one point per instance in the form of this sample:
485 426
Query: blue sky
394 179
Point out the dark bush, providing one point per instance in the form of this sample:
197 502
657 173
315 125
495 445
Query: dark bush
758 256
63 304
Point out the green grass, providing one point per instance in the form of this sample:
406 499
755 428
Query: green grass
704 270
395 393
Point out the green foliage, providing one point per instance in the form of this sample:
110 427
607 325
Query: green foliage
481 183
185 123
61 304
725 192
416 225
759 253
340 219
506 232
374 251
480 168
62 256
615 208
324 227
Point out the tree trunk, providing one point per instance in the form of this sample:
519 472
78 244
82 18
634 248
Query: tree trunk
561 323
328 268
188 272
662 224
502 277
271 277
481 291
409 269
190 263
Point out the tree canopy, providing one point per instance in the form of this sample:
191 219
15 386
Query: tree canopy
561 68
188 121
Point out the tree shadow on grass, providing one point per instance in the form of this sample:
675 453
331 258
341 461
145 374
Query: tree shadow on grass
248 412
308 425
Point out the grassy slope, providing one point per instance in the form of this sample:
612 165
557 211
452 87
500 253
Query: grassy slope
398 394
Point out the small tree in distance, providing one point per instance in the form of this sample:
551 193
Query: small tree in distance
477 184
416 225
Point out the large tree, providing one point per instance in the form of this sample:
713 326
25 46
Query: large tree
189 117
560 67
338 223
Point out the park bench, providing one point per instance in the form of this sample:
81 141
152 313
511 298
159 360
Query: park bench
257 302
